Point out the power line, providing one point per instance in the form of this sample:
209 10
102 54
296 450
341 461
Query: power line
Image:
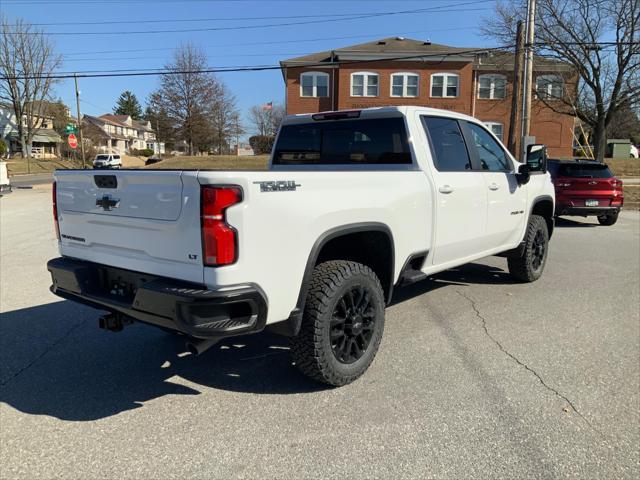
111 2
438 9
154 72
275 42
218 19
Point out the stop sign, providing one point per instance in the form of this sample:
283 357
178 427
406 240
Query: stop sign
72 140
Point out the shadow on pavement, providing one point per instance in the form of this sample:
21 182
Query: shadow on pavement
568 223
55 361
472 273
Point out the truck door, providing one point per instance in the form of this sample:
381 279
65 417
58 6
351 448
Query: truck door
506 201
461 201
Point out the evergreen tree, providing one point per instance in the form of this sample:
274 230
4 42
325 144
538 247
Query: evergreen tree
128 104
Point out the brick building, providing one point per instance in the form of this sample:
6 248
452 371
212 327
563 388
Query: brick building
464 80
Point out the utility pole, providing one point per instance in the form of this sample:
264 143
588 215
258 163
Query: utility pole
528 73
157 144
237 135
515 94
75 79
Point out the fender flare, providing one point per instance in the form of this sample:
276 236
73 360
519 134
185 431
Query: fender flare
291 326
543 198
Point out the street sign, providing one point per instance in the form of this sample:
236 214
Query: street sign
73 141
70 128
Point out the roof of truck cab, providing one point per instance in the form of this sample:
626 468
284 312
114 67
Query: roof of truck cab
381 112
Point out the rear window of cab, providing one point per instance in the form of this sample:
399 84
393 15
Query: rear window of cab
381 141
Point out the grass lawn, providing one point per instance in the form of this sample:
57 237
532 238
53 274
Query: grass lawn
624 167
215 162
631 196
18 166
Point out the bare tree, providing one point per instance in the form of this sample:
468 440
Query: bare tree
266 121
186 95
27 60
224 120
599 39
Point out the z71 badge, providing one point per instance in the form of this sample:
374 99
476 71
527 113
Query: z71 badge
278 186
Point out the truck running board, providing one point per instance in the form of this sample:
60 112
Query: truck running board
412 276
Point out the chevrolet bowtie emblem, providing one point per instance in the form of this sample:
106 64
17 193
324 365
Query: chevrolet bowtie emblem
107 202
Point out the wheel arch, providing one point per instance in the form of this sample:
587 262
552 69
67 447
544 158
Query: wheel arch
338 244
544 206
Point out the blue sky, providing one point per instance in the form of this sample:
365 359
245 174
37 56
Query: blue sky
234 47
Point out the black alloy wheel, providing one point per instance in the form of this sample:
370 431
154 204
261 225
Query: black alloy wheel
352 325
539 248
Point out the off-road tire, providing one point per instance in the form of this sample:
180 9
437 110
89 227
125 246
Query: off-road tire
312 348
608 219
528 263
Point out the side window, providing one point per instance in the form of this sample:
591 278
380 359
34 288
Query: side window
447 144
490 154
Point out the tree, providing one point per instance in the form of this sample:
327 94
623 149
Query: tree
27 60
266 121
261 144
625 124
128 104
225 121
575 32
187 94
161 124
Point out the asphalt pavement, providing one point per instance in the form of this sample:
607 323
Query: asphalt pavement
476 377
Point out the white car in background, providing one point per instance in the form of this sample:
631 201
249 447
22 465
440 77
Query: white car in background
634 153
106 160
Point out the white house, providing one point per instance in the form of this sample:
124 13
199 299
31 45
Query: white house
45 140
121 134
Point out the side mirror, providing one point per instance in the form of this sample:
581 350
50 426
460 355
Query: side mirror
523 176
536 158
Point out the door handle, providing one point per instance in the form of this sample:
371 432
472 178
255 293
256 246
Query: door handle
445 189
494 186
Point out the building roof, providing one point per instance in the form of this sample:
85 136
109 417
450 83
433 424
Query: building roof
119 120
390 47
42 135
395 48
142 125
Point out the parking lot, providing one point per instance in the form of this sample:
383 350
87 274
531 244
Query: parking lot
476 376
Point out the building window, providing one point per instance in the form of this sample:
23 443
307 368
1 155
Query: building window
404 85
314 84
549 87
364 84
492 87
444 85
496 128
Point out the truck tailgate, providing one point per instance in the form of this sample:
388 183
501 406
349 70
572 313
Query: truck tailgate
147 221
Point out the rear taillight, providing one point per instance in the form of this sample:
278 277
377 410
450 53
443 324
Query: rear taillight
55 209
219 239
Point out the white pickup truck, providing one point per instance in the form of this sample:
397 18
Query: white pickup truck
354 204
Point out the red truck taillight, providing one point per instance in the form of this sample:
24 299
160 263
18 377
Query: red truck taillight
219 239
55 209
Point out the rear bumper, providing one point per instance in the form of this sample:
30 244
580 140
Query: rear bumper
585 211
185 307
